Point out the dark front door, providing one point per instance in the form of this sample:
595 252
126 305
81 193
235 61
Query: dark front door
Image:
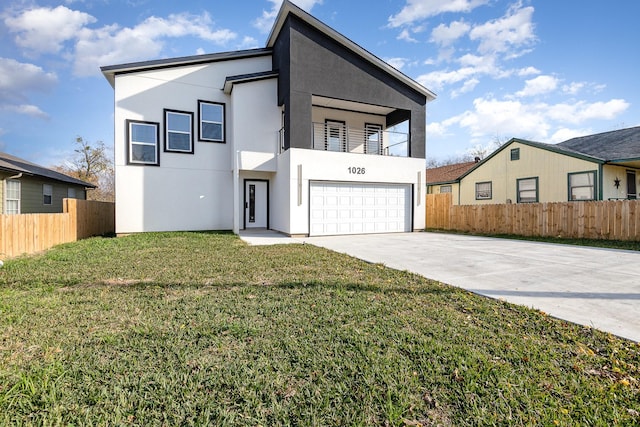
631 185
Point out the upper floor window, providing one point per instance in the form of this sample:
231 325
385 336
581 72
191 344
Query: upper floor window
483 190
335 138
211 118
142 141
178 127
373 136
515 154
528 190
12 197
582 186
47 194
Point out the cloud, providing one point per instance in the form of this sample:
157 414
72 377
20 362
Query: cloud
112 44
52 30
468 86
406 36
445 35
265 21
44 30
397 63
17 81
416 10
26 109
536 121
513 30
538 86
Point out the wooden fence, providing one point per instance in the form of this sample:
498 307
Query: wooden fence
612 220
30 233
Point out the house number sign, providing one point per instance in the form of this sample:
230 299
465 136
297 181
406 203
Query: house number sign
356 171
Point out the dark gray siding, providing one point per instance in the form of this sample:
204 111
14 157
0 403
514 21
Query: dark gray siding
311 63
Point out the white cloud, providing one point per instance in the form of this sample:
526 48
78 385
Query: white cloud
467 87
397 63
535 121
17 81
265 21
445 35
416 10
406 36
26 109
112 44
528 71
513 30
44 30
538 86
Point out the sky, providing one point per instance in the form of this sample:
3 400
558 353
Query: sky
540 70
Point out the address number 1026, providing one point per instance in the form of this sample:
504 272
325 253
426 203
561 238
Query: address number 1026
356 170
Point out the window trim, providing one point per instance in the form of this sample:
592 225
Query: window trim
223 140
45 195
130 161
448 186
490 190
7 199
167 149
515 154
341 125
595 185
518 198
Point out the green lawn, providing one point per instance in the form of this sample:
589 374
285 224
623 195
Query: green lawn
199 328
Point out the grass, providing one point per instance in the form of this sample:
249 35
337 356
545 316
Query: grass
199 328
627 245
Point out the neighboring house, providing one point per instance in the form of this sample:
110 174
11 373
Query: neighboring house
604 166
29 188
446 179
311 135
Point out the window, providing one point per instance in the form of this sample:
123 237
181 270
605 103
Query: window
47 194
445 189
528 190
582 186
515 154
71 193
143 143
483 190
211 118
12 197
373 136
178 126
335 136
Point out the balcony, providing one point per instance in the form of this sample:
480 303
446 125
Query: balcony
335 136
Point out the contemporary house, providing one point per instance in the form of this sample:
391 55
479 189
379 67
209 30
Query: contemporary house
310 135
604 166
446 179
29 188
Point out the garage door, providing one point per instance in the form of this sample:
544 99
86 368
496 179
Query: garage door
355 208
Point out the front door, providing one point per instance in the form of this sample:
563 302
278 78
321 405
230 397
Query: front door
631 185
255 204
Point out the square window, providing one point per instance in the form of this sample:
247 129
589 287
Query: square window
483 190
528 190
142 141
211 118
582 186
178 127
47 194
515 154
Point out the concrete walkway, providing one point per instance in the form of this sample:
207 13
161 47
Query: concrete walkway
596 287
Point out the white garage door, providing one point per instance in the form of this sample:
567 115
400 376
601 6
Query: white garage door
355 208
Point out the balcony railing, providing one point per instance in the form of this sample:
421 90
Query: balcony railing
371 140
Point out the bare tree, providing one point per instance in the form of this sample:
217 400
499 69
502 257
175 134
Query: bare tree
91 163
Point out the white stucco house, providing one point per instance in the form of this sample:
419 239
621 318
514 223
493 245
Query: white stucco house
310 135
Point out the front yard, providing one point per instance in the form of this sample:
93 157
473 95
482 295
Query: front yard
199 328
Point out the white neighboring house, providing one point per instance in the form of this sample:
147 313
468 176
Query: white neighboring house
311 135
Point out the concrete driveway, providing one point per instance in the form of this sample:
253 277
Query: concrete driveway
589 286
